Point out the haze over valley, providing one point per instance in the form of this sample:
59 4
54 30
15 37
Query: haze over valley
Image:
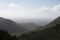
29 19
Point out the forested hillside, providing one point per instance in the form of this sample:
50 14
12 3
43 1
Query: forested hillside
49 32
4 35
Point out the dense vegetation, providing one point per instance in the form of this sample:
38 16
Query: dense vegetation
49 32
4 35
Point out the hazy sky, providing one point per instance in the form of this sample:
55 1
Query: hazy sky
29 8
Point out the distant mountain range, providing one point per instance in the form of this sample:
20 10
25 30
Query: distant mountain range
10 26
30 25
33 23
38 21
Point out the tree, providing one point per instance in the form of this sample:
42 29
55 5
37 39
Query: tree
4 35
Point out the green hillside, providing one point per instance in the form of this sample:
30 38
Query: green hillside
53 23
49 32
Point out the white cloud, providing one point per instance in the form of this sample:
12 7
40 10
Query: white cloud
56 8
22 12
13 5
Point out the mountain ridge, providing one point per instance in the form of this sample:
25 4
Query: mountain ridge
10 26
